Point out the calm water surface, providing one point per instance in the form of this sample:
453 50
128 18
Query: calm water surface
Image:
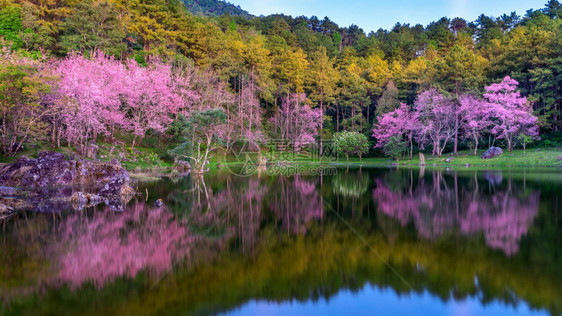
363 241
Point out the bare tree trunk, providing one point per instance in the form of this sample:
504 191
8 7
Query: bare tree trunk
456 133
337 119
321 126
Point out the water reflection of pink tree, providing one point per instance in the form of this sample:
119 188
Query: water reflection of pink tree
436 208
429 211
504 219
110 245
296 203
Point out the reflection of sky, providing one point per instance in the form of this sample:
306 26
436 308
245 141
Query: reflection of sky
374 301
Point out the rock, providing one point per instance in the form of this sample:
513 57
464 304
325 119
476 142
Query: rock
23 158
122 156
81 200
52 170
111 151
538 149
159 203
8 191
127 193
492 152
5 209
559 158
262 160
182 166
13 204
449 159
91 151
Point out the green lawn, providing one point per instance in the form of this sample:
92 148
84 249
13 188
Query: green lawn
532 158
542 158
147 158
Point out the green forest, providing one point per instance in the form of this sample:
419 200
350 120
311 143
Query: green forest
237 61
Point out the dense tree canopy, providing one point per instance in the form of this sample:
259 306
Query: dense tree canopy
255 67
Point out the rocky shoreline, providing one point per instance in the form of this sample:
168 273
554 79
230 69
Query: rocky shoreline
53 182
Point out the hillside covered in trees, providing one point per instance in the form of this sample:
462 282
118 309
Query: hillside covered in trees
75 72
214 8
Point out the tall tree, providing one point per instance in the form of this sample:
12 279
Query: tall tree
389 100
94 26
461 70
512 111
23 84
322 83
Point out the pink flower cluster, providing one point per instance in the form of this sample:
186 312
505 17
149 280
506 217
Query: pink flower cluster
436 120
102 94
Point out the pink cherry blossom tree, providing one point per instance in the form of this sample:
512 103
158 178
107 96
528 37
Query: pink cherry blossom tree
514 115
245 113
401 122
297 122
152 95
437 119
102 94
476 118
91 90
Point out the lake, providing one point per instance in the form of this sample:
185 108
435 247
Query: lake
429 241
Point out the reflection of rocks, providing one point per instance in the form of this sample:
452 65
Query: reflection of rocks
159 203
5 209
52 176
82 200
493 177
492 153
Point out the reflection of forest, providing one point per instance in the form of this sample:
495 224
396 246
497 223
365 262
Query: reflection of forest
103 245
273 238
438 204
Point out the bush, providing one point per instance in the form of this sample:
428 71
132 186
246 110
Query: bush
395 147
351 144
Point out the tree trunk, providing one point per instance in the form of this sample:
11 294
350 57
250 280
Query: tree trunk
456 133
321 126
337 119
411 147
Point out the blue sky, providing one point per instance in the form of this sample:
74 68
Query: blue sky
374 14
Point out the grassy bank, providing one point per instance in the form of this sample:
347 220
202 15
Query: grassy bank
519 158
148 158
531 158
